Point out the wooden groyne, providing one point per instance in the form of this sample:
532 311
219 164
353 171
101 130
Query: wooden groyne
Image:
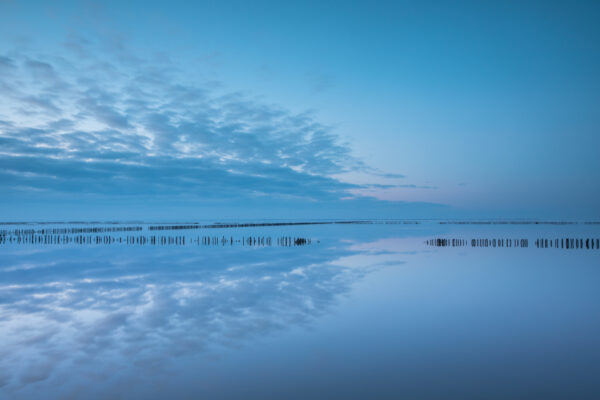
540 243
155 240
70 230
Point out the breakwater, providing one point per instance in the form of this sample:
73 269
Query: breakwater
153 240
540 243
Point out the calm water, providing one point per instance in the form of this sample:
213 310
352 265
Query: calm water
362 312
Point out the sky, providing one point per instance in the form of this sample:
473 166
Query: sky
229 110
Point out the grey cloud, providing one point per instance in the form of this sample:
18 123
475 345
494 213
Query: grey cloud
391 186
45 74
6 124
41 69
390 175
37 372
41 103
104 113
6 63
78 44
61 124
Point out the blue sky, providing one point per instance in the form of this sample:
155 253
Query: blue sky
171 110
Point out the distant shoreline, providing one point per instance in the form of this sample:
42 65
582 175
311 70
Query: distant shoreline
250 223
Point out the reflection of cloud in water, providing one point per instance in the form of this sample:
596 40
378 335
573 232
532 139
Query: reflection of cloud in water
378 253
96 313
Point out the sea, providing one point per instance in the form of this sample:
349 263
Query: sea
366 309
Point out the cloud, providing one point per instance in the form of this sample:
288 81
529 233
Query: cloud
388 192
119 124
390 175
104 113
41 70
42 103
6 63
44 75
94 132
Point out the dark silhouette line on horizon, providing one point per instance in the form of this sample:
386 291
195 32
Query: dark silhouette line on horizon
139 225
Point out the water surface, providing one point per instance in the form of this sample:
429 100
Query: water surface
361 311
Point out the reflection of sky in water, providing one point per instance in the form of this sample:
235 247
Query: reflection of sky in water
368 310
